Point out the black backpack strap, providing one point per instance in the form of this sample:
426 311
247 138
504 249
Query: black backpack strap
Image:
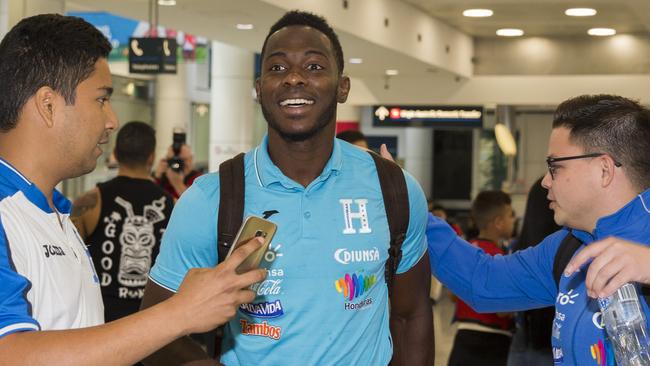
231 212
231 203
563 256
396 202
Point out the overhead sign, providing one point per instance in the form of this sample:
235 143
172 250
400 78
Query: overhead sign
152 55
428 116
119 29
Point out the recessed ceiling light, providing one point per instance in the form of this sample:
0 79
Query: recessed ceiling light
510 32
601 32
356 60
392 72
245 26
478 13
167 2
580 12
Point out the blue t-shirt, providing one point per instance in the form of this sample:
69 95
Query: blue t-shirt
325 300
524 280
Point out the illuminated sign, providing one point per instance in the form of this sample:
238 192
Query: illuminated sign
152 55
428 116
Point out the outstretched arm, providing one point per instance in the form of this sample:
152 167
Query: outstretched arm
207 298
179 352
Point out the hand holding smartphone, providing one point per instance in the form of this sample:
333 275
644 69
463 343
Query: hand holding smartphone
253 227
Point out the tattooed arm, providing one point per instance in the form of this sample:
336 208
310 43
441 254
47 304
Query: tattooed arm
85 212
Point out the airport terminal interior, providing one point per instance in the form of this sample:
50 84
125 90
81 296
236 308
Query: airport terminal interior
462 92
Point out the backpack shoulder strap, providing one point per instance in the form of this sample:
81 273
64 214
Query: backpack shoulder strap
396 203
563 256
231 203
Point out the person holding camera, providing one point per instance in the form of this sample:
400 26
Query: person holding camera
175 172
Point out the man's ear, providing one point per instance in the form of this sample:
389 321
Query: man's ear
151 159
498 222
257 89
343 89
45 99
607 167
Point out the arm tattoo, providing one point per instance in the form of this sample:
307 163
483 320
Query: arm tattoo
84 203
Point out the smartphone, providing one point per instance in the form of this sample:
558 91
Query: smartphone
253 227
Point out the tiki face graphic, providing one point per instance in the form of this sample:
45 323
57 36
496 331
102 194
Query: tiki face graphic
137 241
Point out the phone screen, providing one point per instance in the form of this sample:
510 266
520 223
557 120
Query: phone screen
253 227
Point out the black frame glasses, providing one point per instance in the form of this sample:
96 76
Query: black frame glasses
550 161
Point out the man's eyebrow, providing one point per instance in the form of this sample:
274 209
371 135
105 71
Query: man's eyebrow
276 53
309 52
316 52
107 89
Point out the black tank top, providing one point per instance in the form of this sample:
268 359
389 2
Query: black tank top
134 215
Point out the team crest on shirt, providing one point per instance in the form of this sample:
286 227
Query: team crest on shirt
355 216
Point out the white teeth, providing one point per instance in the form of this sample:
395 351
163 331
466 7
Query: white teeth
295 102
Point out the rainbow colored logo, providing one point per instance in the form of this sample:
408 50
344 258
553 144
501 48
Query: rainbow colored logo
602 353
353 286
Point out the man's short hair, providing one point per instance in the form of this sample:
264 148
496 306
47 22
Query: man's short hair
46 50
351 136
487 206
135 143
302 18
610 124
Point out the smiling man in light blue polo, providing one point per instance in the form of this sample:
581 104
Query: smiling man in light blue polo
325 299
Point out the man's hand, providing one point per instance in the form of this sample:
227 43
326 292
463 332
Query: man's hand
209 297
161 168
383 151
615 263
176 179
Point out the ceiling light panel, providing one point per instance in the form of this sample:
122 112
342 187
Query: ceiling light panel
478 13
601 32
510 32
580 12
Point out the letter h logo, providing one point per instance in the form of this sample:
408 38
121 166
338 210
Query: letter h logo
362 215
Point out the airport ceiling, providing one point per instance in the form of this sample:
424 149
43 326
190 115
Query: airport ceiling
540 17
215 19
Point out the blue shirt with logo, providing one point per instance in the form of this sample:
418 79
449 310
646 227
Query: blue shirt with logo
524 280
325 300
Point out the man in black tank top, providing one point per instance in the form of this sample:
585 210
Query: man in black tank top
122 221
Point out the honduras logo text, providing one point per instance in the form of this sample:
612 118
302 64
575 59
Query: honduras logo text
263 309
353 286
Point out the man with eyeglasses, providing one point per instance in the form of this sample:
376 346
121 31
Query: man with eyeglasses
598 179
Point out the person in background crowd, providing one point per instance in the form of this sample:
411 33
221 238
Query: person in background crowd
354 137
172 181
55 117
122 221
484 339
439 211
531 344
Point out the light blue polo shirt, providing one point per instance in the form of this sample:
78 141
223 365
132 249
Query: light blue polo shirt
325 300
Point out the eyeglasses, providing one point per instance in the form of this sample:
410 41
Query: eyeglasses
550 162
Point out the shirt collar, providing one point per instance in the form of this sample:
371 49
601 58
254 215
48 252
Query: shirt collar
15 179
623 219
267 173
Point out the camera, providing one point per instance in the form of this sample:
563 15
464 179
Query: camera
176 163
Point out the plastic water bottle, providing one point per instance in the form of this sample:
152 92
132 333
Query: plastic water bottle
626 326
